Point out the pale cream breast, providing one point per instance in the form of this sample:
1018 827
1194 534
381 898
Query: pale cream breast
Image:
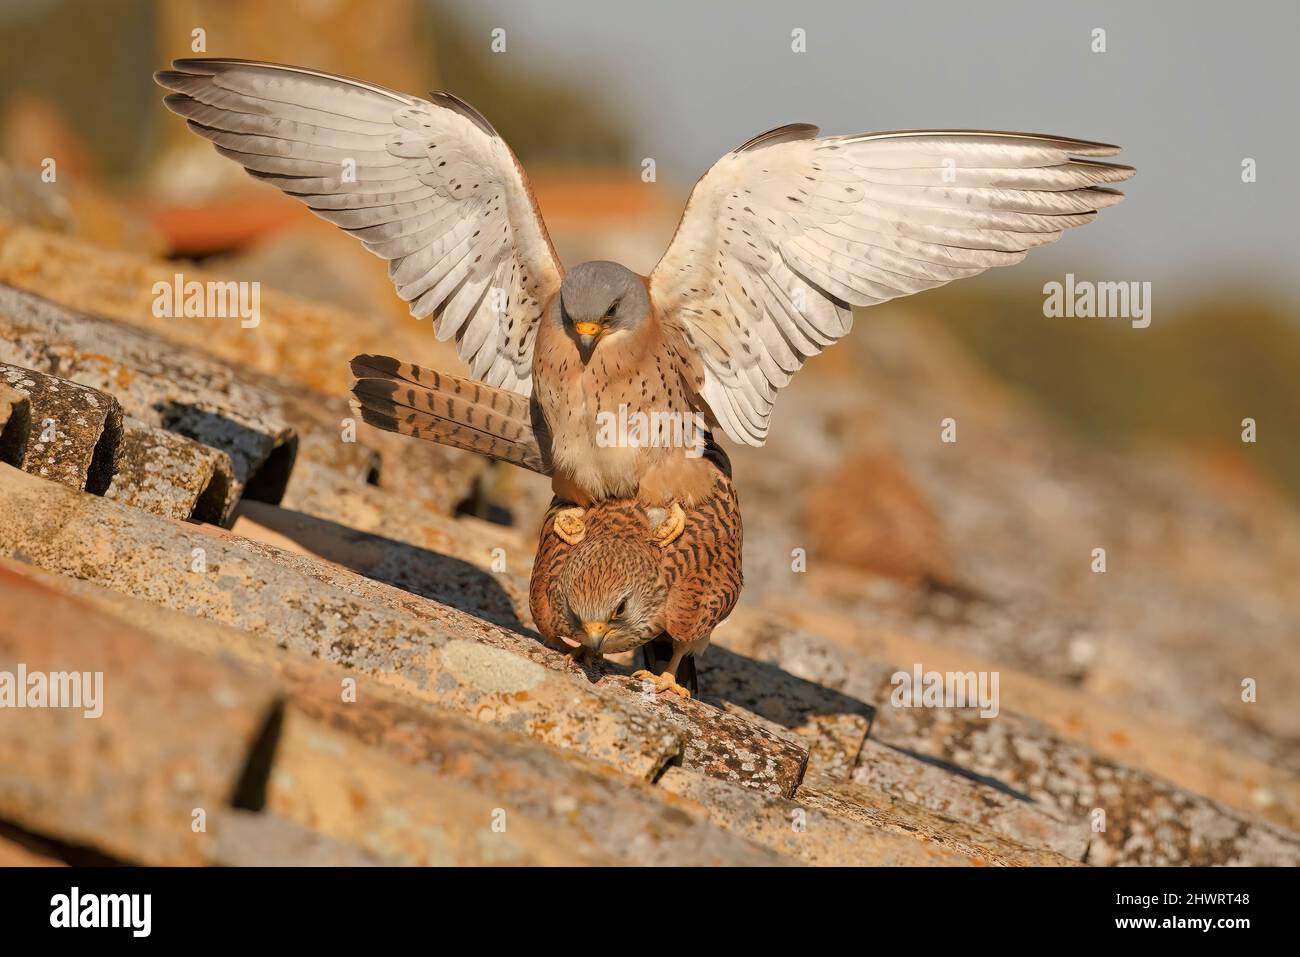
616 419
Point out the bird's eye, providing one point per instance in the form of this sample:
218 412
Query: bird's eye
618 612
613 308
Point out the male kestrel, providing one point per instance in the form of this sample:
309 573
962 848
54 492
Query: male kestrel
779 240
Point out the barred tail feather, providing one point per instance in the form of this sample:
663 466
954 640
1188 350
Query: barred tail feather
450 410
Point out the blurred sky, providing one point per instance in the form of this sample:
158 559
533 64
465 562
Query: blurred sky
1187 88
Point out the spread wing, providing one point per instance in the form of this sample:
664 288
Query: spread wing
427 185
783 235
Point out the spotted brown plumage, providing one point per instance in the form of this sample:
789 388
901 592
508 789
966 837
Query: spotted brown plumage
615 590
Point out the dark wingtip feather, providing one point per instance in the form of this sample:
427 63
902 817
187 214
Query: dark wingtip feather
178 103
211 65
454 103
168 79
780 134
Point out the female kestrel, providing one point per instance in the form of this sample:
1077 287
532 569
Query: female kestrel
779 240
614 590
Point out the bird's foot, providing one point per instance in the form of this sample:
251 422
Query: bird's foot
671 528
569 526
662 683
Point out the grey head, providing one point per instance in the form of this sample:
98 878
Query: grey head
599 298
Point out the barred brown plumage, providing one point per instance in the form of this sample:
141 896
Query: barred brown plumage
672 596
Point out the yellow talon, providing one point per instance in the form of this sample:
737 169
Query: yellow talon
671 528
569 526
662 683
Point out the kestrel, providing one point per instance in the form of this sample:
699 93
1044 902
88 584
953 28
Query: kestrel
607 580
778 241
617 589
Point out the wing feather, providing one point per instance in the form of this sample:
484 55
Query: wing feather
785 234
426 184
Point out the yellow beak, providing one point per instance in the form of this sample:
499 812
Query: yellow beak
596 630
588 333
